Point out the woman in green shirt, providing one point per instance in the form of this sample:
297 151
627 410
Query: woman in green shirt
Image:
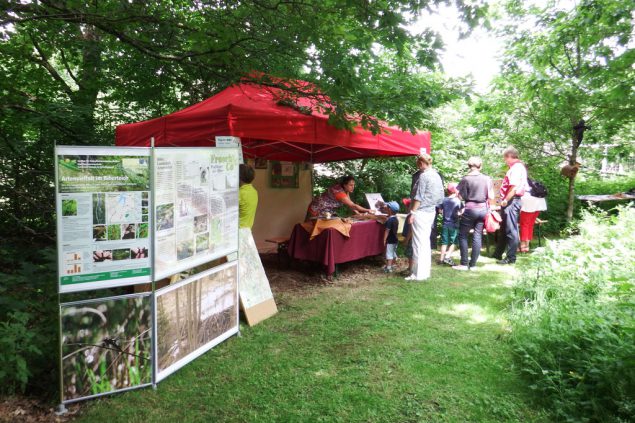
247 197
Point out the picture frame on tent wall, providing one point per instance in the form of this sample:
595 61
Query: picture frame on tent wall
260 163
284 175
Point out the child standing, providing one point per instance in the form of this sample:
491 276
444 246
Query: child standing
451 207
407 237
390 234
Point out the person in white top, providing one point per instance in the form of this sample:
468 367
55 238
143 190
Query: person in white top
531 208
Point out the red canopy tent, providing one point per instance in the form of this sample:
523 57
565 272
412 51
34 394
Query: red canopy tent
269 129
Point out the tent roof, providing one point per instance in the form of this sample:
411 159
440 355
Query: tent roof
269 129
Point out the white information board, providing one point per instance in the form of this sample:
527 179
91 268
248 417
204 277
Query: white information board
103 217
196 212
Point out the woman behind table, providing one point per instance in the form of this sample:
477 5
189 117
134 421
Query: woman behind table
475 189
531 208
334 197
428 196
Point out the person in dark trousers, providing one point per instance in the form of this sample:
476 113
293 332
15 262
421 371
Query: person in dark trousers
475 189
512 189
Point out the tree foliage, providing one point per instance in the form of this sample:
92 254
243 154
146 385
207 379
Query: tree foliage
566 82
73 70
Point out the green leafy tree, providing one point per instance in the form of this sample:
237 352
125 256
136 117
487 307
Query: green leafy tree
567 79
73 70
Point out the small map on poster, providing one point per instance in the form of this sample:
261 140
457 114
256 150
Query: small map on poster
196 208
103 203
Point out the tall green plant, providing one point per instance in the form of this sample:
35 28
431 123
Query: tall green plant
573 320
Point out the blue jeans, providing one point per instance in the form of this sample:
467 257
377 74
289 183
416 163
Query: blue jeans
471 219
509 230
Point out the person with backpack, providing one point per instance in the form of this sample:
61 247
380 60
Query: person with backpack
532 203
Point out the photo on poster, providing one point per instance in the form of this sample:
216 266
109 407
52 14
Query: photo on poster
202 243
142 232
128 231
114 232
99 208
165 216
185 249
137 253
194 314
106 346
200 223
100 256
69 207
92 173
121 254
100 233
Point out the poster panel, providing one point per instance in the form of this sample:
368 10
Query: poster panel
195 315
103 209
106 346
256 298
196 213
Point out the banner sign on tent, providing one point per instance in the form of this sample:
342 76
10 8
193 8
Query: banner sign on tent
196 214
229 142
195 315
103 225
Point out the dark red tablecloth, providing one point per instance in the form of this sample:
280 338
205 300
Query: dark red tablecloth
331 247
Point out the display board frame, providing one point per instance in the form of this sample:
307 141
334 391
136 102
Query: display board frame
151 355
104 278
85 160
182 265
161 375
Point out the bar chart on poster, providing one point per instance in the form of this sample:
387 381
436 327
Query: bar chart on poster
196 207
103 203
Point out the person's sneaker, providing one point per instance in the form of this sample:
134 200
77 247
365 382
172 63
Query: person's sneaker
389 270
505 261
412 278
460 267
449 261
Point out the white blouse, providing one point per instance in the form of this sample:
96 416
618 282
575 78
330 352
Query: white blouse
532 204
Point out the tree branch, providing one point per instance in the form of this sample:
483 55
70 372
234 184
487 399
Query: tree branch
43 60
68 69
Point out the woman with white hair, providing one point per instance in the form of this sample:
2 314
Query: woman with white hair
476 190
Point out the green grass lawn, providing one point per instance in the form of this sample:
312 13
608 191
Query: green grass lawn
377 350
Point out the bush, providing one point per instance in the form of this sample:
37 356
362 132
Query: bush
18 344
573 321
28 320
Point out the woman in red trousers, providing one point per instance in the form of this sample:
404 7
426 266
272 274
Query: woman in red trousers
531 208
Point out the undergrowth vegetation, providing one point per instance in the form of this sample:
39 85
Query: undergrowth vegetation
573 320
